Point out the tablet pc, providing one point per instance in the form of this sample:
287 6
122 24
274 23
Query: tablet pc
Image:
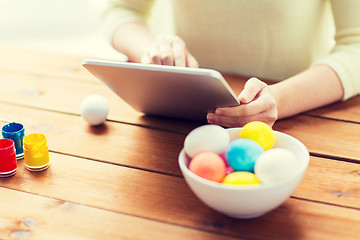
176 92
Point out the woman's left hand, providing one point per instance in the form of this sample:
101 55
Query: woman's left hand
257 104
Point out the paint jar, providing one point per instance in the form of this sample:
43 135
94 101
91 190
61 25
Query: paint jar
36 152
15 132
8 162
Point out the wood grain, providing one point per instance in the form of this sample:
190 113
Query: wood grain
157 151
347 111
28 216
47 64
47 93
168 199
324 137
115 143
331 181
122 180
25 60
340 142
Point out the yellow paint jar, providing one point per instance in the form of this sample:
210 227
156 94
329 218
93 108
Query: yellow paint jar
36 152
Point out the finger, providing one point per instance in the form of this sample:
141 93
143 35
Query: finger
166 52
252 88
262 109
154 55
226 121
191 61
145 59
179 51
261 104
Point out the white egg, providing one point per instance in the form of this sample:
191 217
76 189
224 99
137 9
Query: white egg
275 165
207 138
94 109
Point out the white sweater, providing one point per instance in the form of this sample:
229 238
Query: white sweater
269 39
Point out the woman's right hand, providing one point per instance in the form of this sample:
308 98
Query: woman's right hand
169 50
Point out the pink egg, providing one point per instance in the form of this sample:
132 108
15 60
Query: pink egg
208 165
229 170
223 157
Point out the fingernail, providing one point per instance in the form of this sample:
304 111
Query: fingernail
210 116
218 111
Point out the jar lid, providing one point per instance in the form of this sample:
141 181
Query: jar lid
35 142
7 147
12 130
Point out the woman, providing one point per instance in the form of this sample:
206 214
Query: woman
309 48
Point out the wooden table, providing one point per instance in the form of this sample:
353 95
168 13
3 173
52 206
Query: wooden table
122 180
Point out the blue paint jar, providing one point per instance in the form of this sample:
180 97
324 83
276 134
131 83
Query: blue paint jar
15 132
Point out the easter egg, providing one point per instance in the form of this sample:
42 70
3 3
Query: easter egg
206 138
242 154
229 170
260 132
275 165
241 178
208 165
94 109
223 157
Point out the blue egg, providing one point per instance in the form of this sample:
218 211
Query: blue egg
242 154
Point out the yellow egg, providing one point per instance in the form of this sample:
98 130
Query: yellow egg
241 178
259 132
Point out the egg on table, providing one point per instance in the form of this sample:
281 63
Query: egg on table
94 109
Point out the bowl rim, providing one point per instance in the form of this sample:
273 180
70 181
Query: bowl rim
185 170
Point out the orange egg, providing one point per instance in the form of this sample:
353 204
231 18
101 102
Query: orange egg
208 165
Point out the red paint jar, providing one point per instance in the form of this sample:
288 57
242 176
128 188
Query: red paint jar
8 163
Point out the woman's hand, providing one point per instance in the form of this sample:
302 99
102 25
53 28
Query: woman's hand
257 104
169 50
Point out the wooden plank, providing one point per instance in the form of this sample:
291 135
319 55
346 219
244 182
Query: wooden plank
294 214
168 199
331 181
15 59
18 59
64 95
324 137
158 151
58 94
31 216
117 143
347 111
340 142
43 92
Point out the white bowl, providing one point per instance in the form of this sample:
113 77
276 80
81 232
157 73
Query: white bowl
248 201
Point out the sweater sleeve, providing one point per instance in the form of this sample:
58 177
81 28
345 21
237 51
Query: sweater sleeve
118 12
345 56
